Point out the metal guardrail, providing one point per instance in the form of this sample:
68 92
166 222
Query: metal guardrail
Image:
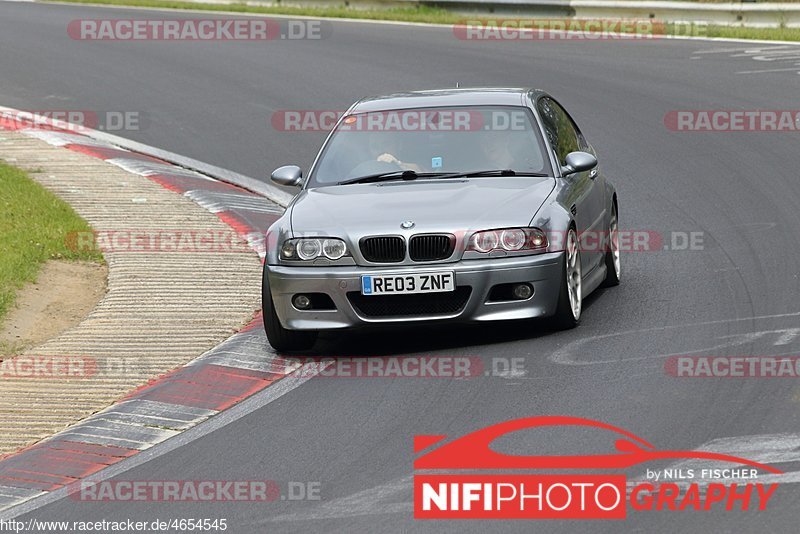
749 14
753 15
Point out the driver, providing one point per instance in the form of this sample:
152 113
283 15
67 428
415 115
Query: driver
385 147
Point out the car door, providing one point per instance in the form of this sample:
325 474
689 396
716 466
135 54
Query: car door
585 191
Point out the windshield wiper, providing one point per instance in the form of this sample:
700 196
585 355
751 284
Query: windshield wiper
492 172
413 175
392 175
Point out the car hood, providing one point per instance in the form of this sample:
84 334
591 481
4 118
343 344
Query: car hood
450 205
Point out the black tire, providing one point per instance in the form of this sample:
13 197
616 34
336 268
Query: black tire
281 339
612 278
564 319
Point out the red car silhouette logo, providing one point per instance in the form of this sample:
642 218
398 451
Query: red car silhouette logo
473 451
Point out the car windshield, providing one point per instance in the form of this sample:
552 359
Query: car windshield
432 141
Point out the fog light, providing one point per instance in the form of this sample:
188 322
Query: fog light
522 291
301 302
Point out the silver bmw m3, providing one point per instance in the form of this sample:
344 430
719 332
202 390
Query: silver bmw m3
455 205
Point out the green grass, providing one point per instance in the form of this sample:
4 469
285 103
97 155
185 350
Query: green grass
431 15
10 348
765 34
34 225
403 14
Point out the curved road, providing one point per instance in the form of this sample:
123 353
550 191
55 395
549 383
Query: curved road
736 296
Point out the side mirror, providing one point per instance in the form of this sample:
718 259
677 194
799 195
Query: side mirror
578 162
288 175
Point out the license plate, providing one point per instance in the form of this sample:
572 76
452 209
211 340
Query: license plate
406 284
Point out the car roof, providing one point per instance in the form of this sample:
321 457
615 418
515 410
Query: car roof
486 96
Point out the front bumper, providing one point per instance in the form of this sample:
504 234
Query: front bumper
543 272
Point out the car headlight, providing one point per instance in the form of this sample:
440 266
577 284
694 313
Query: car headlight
312 248
308 249
507 239
333 249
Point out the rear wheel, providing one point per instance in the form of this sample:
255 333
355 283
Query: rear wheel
568 311
613 264
279 337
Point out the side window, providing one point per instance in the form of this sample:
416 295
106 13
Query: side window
549 121
560 129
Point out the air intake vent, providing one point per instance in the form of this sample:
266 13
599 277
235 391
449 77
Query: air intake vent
449 303
384 249
431 247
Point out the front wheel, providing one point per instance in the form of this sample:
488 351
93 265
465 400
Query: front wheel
279 337
568 311
612 260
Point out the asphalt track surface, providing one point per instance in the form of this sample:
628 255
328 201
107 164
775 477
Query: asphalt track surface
737 296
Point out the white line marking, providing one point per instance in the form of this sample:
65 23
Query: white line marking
563 355
366 502
768 70
750 49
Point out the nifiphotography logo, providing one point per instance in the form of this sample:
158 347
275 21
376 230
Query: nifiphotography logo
444 490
